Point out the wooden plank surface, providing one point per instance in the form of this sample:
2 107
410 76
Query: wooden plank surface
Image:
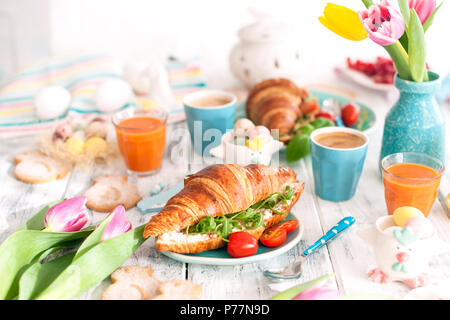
348 257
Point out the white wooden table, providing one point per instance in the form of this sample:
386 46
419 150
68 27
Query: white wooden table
348 257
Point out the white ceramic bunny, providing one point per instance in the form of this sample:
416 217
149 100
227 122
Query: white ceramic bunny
149 78
401 253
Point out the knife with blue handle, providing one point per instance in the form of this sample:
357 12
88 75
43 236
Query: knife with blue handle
331 234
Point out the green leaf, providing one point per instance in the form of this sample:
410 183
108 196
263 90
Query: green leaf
94 238
417 55
94 266
19 250
294 291
298 147
321 123
307 129
429 20
40 275
403 5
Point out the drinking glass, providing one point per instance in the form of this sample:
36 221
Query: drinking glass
141 135
411 179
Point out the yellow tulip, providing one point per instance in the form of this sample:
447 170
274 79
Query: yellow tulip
343 21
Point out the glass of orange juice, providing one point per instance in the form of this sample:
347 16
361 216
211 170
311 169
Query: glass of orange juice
411 179
141 135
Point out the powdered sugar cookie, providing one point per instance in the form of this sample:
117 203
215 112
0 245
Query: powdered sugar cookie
109 191
132 283
137 283
178 290
36 167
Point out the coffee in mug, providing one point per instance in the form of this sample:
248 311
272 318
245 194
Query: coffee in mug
339 140
210 101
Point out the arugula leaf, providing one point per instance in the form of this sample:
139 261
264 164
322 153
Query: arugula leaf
250 218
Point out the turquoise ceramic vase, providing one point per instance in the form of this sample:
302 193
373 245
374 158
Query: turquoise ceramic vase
416 122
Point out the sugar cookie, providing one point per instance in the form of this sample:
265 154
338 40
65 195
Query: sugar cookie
36 167
178 290
137 283
132 283
109 191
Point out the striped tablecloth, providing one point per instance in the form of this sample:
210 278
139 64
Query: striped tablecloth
81 75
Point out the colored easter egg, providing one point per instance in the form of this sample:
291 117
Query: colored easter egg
95 146
403 214
260 131
51 102
74 145
420 225
242 126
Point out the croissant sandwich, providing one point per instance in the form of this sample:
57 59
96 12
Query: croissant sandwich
222 199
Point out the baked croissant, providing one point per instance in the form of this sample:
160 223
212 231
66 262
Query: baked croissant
218 190
275 104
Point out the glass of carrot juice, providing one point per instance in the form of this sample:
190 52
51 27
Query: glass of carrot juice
141 135
411 179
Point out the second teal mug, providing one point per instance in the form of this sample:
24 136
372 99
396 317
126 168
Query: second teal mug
337 171
207 124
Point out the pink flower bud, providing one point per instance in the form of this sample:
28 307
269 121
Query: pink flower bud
67 216
118 224
318 292
383 23
424 8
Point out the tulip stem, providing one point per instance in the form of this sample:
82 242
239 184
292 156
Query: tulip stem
402 51
367 3
400 58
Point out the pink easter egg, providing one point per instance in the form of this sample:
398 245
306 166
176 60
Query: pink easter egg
244 124
259 131
420 225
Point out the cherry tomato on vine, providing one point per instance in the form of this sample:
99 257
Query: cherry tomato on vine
242 244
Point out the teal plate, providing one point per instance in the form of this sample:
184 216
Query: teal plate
367 119
220 257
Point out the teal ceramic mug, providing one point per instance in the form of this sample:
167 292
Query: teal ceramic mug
209 114
337 170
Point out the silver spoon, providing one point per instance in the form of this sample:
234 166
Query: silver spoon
294 270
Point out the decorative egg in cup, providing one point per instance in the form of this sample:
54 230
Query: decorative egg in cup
247 144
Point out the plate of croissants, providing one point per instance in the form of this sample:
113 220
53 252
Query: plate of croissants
279 104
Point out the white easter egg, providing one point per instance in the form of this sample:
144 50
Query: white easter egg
113 95
51 102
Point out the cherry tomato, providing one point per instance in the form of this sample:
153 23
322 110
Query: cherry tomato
310 106
288 225
242 244
350 114
326 115
274 236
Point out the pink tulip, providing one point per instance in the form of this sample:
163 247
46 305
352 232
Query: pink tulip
424 8
383 23
118 224
318 292
67 216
